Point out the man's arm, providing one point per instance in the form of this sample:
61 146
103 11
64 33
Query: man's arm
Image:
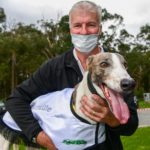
43 139
18 103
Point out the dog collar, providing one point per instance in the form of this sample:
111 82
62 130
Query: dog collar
93 90
90 85
72 107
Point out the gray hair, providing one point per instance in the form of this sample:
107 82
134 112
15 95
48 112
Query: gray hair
87 6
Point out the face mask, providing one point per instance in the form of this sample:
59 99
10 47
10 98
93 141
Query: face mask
85 43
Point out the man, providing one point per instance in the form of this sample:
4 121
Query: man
66 71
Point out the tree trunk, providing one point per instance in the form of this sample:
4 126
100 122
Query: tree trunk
13 71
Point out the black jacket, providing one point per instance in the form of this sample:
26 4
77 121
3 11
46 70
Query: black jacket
56 74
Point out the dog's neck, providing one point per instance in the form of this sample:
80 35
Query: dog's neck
85 87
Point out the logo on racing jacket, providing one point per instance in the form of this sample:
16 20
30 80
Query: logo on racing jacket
44 108
74 142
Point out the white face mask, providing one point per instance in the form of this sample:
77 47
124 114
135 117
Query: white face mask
85 43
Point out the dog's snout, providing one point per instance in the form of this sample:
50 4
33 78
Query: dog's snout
127 84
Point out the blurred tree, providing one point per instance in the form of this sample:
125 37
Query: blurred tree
21 52
24 47
2 15
58 36
2 19
144 37
113 23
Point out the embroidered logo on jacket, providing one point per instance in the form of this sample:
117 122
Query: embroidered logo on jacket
44 108
74 142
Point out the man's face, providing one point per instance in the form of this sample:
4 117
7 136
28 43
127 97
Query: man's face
84 23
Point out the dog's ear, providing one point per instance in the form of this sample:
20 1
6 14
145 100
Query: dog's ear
89 62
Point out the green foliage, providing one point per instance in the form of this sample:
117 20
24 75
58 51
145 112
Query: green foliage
143 104
144 34
139 90
2 15
106 16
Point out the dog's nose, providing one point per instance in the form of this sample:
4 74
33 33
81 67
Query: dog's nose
127 84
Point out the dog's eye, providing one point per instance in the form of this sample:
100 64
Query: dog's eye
104 64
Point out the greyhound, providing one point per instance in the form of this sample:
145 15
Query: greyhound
59 112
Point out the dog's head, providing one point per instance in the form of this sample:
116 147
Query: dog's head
108 72
110 69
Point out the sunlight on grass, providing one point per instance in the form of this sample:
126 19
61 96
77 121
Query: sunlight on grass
140 140
143 104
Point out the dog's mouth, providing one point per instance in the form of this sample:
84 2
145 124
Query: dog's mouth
116 103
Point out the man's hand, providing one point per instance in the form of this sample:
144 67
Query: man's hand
98 111
43 140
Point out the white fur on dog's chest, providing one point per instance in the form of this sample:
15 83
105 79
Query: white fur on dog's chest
57 120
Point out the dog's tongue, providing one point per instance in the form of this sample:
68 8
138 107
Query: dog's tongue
117 105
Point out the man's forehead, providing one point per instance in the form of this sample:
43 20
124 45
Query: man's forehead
80 15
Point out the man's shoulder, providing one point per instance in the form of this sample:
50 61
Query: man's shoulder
62 59
66 55
59 62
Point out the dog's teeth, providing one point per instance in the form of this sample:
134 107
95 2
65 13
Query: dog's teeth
106 91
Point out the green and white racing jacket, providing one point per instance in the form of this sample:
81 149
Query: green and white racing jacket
56 117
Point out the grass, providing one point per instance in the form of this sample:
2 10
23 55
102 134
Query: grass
22 147
140 140
143 104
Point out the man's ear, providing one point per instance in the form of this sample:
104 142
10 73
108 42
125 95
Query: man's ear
89 62
100 29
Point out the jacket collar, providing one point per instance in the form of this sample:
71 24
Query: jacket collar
71 62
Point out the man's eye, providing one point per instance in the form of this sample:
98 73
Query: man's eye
104 64
92 25
77 26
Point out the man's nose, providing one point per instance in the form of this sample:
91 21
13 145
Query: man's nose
84 30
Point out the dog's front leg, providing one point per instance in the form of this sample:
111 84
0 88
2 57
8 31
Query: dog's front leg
32 148
5 144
